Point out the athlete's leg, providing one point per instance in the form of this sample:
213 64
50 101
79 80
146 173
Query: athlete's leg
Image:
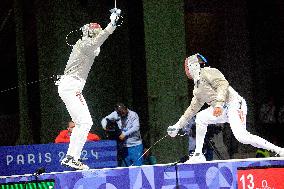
70 92
203 119
237 118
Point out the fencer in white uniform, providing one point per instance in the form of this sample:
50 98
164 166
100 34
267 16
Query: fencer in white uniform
225 105
71 84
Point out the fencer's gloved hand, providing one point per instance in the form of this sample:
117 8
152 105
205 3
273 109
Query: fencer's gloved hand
116 10
115 16
173 130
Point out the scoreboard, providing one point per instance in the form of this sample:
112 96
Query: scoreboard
267 177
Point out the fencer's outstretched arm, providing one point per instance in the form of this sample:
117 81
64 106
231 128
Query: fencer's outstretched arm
194 107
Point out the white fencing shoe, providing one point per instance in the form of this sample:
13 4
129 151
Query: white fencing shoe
196 158
281 152
69 161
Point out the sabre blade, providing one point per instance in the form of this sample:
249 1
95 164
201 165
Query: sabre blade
149 148
113 9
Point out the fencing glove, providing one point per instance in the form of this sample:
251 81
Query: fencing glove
173 130
115 15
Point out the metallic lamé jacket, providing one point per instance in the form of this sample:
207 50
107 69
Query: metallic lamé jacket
84 52
212 88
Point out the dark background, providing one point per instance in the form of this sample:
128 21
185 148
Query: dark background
243 39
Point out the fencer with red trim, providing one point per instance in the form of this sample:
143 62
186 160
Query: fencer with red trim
225 105
71 84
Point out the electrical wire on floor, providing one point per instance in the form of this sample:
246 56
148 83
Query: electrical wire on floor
53 77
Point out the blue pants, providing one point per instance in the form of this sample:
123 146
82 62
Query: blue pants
131 156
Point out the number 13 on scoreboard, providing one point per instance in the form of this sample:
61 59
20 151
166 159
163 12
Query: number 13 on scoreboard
246 182
261 178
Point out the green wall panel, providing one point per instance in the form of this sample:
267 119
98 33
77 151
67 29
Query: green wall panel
167 83
25 135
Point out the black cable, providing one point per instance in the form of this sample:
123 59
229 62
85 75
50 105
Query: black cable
5 20
176 169
29 83
37 173
215 150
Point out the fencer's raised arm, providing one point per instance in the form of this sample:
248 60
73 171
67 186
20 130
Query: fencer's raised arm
86 49
103 35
